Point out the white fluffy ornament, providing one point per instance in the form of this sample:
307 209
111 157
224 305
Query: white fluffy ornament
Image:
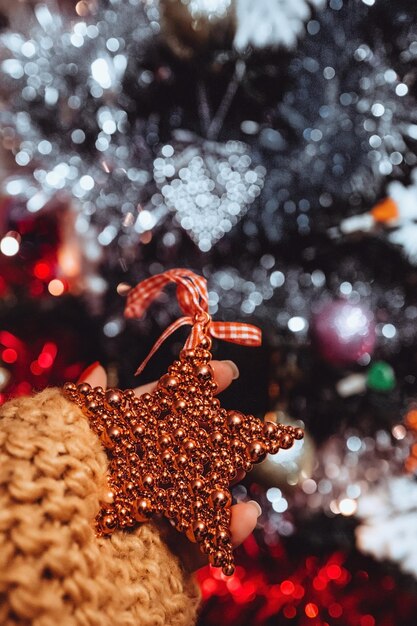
406 233
389 523
406 237
192 25
271 23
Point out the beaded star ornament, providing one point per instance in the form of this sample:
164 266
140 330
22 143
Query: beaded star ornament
174 451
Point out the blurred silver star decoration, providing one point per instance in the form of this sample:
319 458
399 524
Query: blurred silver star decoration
209 185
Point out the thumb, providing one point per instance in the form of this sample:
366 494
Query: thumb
244 518
95 375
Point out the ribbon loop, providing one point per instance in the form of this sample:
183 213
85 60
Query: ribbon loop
192 298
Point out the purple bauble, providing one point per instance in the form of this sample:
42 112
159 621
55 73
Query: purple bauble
343 332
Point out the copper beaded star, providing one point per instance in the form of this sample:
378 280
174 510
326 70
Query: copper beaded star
175 451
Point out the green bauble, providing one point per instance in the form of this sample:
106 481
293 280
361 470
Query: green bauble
381 377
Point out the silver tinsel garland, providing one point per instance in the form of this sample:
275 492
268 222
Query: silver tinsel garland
67 116
344 124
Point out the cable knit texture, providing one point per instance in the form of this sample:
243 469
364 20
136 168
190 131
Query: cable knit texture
53 569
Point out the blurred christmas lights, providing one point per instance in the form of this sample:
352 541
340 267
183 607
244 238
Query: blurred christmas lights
10 244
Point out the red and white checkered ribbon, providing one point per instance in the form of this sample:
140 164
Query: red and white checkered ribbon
192 298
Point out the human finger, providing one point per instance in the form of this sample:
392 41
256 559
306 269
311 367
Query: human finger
95 375
224 373
243 520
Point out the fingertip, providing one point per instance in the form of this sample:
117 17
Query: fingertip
147 388
95 375
233 367
224 373
257 507
243 522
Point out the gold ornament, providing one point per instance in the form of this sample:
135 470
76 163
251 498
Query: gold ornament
175 451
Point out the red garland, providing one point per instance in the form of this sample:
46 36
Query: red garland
333 590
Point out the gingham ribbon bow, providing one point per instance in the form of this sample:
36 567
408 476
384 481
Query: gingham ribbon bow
192 298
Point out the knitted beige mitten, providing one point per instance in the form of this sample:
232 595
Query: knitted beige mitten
54 571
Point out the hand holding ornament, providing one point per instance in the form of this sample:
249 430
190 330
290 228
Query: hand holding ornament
244 515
